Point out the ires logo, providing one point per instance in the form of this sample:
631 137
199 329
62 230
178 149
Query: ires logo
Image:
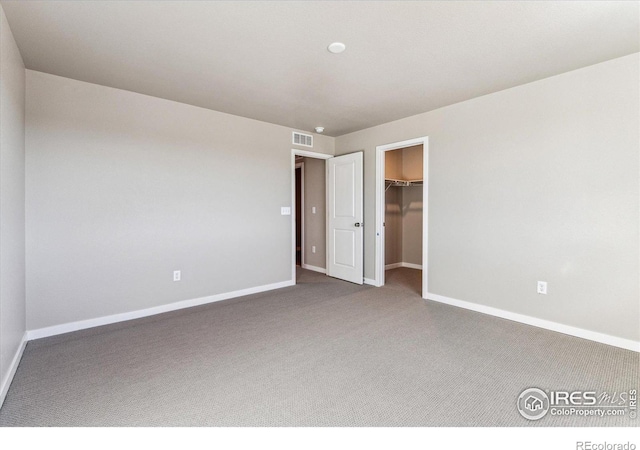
575 398
534 403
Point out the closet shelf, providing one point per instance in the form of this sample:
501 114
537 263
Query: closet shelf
400 183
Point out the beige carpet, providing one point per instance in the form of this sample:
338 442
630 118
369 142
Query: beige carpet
322 353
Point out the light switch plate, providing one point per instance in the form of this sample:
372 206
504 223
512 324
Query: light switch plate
285 210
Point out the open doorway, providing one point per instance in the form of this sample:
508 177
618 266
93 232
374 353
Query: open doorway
403 217
309 211
402 214
299 210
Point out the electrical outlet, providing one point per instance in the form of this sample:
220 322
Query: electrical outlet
542 287
313 249
177 275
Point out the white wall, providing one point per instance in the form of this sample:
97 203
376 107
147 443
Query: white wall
412 206
124 188
412 224
537 182
315 225
12 222
393 225
393 208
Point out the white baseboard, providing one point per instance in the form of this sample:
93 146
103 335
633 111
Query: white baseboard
403 264
314 268
627 344
370 281
106 320
6 381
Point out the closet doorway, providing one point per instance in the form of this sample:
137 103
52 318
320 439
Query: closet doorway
401 214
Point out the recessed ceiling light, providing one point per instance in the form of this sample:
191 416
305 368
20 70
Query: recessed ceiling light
336 47
319 129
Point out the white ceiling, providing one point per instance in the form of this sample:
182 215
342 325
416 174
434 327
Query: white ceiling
268 60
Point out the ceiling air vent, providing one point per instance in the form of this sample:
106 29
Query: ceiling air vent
305 140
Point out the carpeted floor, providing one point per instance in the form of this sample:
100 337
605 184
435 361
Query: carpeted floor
322 353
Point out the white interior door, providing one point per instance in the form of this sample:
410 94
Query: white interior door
345 226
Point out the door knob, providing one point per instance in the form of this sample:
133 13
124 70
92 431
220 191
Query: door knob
358 224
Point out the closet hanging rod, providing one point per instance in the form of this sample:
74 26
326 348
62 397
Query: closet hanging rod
401 183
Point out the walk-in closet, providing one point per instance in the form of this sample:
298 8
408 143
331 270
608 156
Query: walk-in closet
403 217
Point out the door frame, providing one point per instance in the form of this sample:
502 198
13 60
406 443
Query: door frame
307 154
380 209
